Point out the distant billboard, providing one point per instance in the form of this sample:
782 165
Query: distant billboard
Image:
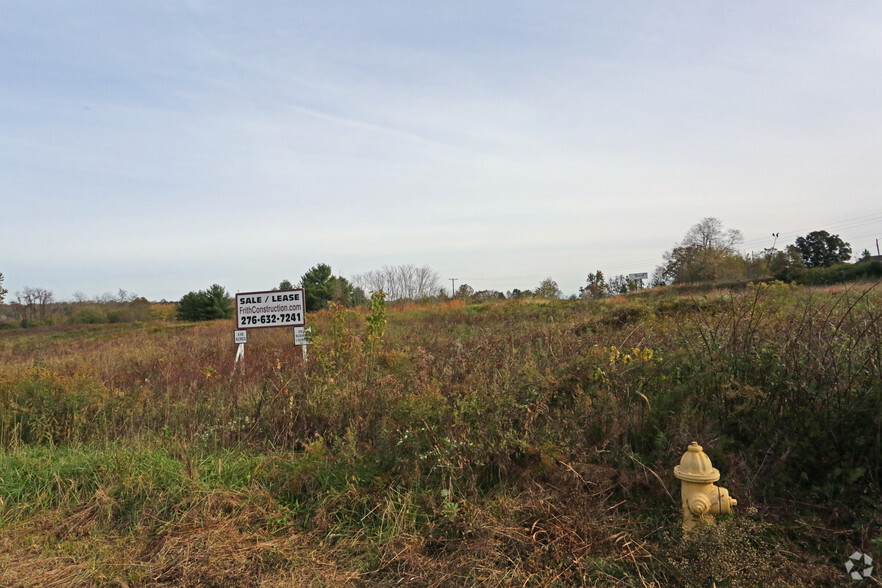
643 276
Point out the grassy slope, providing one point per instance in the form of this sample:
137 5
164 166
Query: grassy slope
528 444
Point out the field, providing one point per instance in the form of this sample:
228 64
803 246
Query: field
514 443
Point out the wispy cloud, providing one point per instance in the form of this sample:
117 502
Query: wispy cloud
160 147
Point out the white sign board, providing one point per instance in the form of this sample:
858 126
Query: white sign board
302 336
285 308
240 337
642 276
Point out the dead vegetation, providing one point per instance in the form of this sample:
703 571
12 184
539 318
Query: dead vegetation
497 445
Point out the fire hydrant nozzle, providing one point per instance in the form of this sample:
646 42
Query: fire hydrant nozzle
702 499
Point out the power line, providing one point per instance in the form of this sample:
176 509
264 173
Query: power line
850 223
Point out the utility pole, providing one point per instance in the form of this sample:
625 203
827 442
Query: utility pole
453 287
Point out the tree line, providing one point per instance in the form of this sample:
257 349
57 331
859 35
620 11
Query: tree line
708 253
34 307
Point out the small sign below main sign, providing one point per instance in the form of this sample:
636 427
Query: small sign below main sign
302 336
240 337
284 308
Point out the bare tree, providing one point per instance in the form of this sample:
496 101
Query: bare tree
105 298
44 299
401 282
33 303
125 297
708 234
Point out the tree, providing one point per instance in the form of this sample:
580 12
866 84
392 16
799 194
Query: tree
707 253
316 285
464 292
320 286
485 295
285 285
122 296
821 249
783 265
596 286
620 284
205 305
356 296
3 290
708 234
401 282
516 293
548 288
33 303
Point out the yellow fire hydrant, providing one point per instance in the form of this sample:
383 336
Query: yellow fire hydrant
702 500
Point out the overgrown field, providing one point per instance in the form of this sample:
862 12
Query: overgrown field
527 444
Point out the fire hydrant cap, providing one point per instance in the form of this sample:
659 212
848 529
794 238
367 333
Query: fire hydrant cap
695 466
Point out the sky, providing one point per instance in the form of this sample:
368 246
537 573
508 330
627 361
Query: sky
162 146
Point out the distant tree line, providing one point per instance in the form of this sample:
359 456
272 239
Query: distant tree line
34 307
707 254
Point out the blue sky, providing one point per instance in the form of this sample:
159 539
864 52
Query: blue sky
163 146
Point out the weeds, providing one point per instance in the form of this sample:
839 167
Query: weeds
503 443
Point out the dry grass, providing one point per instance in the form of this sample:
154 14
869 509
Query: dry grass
504 444
219 541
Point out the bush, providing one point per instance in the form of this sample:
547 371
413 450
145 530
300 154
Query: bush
90 315
843 272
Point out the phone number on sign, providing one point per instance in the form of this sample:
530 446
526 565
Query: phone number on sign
270 319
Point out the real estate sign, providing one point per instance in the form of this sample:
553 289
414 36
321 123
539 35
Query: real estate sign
270 309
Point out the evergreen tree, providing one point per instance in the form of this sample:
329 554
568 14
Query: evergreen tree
320 286
205 305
